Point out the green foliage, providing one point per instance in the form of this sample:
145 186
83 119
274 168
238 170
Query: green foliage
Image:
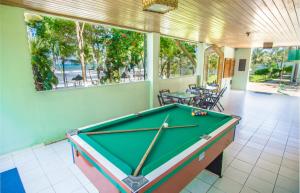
125 49
263 71
213 60
288 69
107 49
44 77
258 78
174 60
269 57
275 72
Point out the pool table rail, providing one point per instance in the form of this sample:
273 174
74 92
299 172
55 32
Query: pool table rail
117 176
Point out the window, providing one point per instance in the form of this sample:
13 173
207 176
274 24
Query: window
68 53
177 58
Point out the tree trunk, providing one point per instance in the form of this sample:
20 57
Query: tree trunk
63 72
184 50
168 69
80 41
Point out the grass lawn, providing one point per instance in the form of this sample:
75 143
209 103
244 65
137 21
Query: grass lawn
259 78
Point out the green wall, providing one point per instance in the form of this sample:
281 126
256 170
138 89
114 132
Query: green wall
28 117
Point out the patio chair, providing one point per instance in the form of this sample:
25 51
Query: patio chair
210 101
165 99
160 100
192 86
215 99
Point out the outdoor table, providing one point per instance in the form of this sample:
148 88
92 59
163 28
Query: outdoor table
182 97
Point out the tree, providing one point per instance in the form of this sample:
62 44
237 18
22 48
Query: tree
40 47
62 39
80 41
107 49
176 56
44 78
258 56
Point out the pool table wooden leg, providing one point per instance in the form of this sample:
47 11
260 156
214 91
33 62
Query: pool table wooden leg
216 165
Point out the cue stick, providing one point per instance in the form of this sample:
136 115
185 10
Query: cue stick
136 130
137 170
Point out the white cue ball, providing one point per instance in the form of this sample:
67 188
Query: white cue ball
165 125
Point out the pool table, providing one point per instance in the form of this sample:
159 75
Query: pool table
179 154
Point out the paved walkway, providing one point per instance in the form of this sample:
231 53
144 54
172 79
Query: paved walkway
274 88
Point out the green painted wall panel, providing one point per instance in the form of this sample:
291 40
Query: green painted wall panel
29 117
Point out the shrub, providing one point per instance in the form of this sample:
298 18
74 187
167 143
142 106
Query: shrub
263 71
288 69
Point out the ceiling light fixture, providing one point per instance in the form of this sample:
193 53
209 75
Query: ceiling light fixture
160 6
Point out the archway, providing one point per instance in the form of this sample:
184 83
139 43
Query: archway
213 54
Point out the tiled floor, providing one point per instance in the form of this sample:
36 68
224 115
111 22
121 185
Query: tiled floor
264 157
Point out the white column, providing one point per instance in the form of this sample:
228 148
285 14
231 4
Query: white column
200 62
153 40
240 78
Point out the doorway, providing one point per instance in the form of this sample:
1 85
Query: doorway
271 72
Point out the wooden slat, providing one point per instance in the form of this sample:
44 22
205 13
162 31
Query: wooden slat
220 22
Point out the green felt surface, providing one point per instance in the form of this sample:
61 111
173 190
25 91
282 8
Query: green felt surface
125 150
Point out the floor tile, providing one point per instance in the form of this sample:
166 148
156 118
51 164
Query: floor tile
278 189
289 173
251 151
227 159
197 186
275 145
259 185
208 177
292 150
290 164
291 156
241 165
248 190
264 175
80 190
28 166
67 186
288 184
56 176
259 140
32 175
184 191
47 190
271 158
255 145
268 165
91 188
37 185
247 158
228 186
274 151
214 190
236 175
235 146
23 157
6 163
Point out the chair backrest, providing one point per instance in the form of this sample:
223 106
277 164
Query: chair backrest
217 98
223 91
192 86
161 92
160 100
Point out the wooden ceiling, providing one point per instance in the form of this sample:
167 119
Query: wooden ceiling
221 22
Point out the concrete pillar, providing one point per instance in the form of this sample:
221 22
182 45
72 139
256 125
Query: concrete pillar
153 42
241 78
200 62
